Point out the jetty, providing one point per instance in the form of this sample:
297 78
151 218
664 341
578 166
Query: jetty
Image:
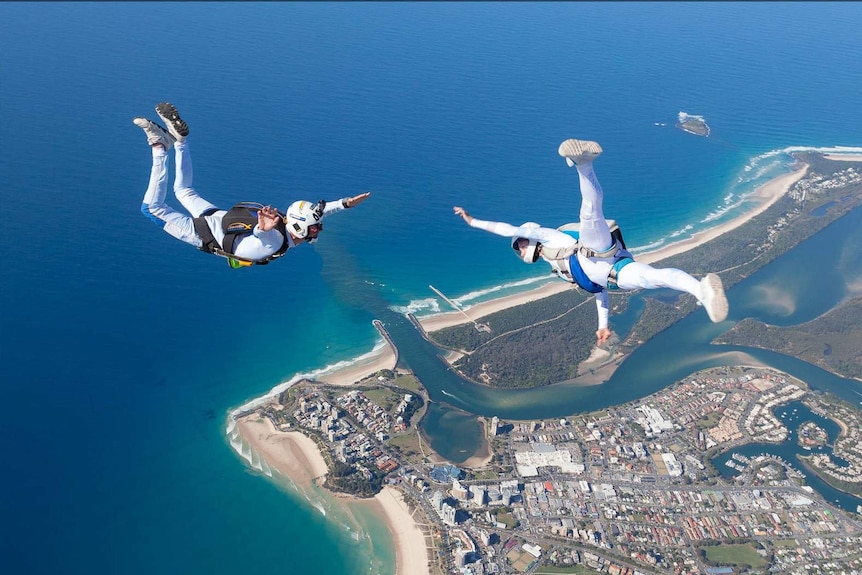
381 329
481 327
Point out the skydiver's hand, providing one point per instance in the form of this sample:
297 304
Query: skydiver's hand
356 200
267 218
463 213
602 335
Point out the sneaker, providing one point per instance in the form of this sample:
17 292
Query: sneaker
176 126
155 133
579 151
714 301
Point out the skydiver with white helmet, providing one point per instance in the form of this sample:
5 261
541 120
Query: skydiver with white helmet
247 234
592 253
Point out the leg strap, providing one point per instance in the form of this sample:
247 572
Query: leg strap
615 272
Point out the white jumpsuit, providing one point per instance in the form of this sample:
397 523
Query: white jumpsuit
595 235
256 246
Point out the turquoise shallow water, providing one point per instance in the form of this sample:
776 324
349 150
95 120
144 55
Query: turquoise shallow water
125 349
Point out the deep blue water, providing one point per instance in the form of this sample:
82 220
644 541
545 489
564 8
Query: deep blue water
124 349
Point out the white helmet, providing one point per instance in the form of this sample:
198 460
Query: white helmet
301 216
531 255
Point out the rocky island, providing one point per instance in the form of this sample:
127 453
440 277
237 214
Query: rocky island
692 124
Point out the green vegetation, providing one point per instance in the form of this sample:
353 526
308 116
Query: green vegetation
832 341
505 516
741 555
346 478
539 355
383 397
408 446
409 382
710 420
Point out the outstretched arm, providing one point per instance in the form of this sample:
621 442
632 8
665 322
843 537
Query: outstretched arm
355 200
344 203
463 213
539 234
603 333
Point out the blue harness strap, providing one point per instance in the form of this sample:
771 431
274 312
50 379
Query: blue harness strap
615 272
580 276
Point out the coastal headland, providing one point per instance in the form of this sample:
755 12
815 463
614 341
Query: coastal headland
359 410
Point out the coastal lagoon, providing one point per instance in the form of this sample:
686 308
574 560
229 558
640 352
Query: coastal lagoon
126 350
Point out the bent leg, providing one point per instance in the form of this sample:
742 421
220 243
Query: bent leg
594 231
183 189
156 210
642 276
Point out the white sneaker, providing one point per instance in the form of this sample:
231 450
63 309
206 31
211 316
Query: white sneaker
155 133
713 299
176 126
579 151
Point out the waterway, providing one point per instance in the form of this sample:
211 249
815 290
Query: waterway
792 416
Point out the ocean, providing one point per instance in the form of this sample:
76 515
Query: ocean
125 349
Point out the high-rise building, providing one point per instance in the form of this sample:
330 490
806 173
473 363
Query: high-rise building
437 501
459 492
447 513
478 494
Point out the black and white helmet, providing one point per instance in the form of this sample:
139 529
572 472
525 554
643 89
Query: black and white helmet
531 254
301 216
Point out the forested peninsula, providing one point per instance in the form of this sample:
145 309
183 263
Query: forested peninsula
833 341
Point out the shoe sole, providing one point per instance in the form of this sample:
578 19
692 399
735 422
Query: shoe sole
579 148
715 302
149 126
168 113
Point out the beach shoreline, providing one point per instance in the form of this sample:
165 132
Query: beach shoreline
297 457
383 358
411 553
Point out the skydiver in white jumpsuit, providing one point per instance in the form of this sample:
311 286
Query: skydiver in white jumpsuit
247 234
592 258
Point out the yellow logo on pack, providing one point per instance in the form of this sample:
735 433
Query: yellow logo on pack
239 227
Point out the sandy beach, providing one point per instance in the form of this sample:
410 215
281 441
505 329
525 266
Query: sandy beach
291 453
411 557
764 197
297 457
384 358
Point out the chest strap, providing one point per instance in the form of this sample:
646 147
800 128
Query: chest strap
608 253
